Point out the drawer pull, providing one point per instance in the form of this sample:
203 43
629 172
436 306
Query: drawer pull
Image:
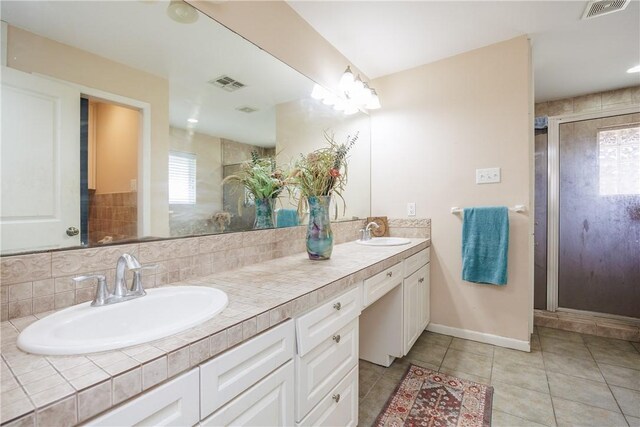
336 397
420 280
390 273
336 338
337 306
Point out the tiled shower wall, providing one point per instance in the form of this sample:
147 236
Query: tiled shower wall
114 215
594 102
36 283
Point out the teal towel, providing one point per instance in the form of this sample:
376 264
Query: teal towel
287 218
485 243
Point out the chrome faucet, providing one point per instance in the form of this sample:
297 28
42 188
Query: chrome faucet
365 233
120 291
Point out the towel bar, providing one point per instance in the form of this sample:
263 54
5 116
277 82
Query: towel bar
516 208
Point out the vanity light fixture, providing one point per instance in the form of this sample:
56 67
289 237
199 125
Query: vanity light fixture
182 12
635 69
355 94
192 120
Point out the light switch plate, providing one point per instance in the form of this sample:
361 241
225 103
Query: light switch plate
487 176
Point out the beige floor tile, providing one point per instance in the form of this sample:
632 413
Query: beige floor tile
521 376
427 352
570 413
590 393
472 347
502 419
397 369
617 375
629 401
633 421
565 348
520 402
581 368
636 345
471 363
509 356
369 374
535 342
612 356
371 406
559 334
596 341
433 338
466 376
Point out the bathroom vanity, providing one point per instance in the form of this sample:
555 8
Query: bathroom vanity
294 363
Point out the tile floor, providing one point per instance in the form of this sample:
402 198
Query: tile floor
567 379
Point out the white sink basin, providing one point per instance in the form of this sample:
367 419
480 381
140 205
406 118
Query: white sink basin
384 241
84 329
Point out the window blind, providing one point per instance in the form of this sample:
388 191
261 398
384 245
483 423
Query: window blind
182 178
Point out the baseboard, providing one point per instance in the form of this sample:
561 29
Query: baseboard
480 337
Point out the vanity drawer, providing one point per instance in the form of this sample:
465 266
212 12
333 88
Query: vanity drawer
415 261
233 372
378 285
339 407
323 322
320 370
173 403
268 403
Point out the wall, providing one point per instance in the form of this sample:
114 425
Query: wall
117 135
439 122
31 53
114 215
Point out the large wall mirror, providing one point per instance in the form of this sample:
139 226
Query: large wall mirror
119 123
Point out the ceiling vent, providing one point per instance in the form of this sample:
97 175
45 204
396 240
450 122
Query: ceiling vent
603 7
227 83
247 109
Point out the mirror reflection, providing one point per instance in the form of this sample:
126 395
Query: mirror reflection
120 122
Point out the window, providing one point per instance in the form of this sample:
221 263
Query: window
182 178
619 157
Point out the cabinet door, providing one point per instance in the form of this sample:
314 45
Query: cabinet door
412 306
426 297
175 403
268 403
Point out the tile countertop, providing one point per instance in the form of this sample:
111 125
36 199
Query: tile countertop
75 388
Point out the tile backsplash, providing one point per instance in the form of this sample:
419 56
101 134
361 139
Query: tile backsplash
37 283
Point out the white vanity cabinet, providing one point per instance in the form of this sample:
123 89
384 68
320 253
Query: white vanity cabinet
175 403
326 363
416 292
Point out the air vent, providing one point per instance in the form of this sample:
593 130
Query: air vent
247 109
603 7
227 83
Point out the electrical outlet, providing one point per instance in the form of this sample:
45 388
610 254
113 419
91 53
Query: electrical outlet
411 209
488 176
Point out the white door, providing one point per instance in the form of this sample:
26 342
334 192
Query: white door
40 143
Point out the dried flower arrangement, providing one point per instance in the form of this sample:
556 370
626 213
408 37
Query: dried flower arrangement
322 172
261 177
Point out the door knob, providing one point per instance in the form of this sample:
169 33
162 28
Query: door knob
72 231
336 397
336 338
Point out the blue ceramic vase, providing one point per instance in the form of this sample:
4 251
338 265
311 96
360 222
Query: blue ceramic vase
264 213
319 234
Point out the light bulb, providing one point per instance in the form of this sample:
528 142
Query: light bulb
318 92
374 101
356 88
635 69
341 104
330 99
351 109
346 81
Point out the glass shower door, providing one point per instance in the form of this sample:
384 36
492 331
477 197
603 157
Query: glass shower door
599 204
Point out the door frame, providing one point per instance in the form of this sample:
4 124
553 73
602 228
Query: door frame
553 196
144 145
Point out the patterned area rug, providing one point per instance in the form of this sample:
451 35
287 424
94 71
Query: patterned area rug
432 399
